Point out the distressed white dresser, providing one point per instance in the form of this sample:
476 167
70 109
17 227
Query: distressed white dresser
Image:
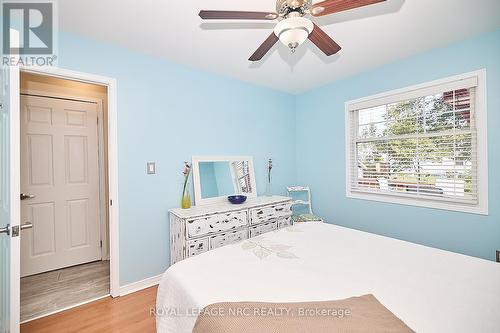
203 228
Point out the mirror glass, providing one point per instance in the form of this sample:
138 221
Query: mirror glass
215 178
224 178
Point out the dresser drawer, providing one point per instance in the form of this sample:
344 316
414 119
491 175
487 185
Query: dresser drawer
227 238
201 226
260 229
233 220
270 213
284 222
216 223
196 246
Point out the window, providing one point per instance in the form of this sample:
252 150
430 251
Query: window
423 145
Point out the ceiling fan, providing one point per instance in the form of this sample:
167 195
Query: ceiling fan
294 25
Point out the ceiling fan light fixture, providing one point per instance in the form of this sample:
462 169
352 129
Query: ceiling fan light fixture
293 31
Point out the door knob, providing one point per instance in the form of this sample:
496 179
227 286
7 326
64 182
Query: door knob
18 228
25 196
27 225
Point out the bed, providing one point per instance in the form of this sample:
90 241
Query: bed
430 290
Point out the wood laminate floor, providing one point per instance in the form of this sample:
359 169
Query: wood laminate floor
127 314
51 291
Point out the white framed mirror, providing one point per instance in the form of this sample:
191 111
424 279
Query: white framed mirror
217 177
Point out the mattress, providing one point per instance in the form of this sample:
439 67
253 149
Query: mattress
430 290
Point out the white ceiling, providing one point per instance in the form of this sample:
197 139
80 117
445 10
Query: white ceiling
370 36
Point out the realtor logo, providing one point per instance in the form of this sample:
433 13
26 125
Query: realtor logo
29 32
35 23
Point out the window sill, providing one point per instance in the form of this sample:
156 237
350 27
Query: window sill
471 209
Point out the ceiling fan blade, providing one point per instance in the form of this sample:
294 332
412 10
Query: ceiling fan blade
334 6
264 48
323 41
236 15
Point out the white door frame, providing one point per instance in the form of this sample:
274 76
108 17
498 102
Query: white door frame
15 190
111 84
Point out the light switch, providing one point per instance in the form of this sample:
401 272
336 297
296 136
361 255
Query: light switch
151 168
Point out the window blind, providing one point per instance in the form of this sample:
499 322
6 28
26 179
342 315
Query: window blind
420 145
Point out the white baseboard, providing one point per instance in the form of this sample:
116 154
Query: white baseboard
139 285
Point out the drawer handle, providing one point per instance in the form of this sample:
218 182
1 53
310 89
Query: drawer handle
280 209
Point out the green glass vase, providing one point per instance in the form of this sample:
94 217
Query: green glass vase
186 198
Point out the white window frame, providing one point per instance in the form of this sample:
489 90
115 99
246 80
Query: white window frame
408 93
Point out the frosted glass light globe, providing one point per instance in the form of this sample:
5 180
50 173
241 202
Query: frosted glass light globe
293 31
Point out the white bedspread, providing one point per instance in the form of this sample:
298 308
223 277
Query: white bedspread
429 289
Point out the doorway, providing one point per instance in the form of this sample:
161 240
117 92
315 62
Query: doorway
10 207
64 194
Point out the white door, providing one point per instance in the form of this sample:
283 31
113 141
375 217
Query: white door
59 184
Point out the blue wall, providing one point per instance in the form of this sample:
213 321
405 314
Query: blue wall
320 149
168 113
